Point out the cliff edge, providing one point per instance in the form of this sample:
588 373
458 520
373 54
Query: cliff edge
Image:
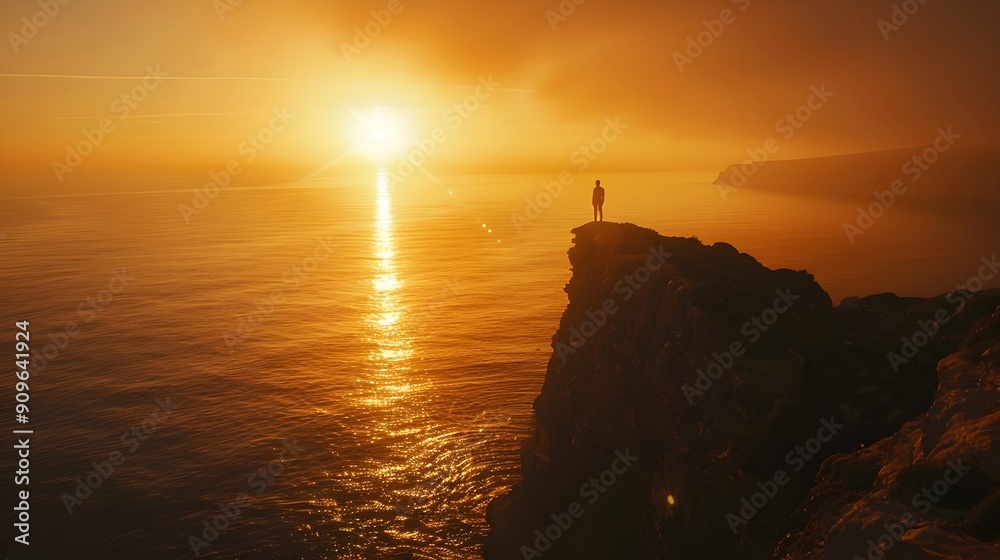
700 405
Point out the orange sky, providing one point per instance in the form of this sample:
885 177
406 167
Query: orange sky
607 60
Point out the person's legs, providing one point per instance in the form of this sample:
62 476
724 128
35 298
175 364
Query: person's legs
595 212
601 210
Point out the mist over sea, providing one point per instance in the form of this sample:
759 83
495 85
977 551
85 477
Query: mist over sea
349 365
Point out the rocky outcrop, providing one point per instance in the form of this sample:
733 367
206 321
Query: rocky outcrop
932 489
694 394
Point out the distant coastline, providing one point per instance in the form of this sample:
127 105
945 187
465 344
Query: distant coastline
941 171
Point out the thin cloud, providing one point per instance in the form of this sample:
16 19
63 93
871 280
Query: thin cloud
85 77
151 116
464 87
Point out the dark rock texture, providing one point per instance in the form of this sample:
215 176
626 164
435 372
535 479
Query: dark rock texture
734 385
938 476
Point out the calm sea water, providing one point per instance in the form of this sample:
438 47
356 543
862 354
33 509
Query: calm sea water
394 337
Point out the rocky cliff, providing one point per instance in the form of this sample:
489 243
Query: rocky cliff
700 405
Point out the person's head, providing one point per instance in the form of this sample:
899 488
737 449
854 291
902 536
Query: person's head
598 182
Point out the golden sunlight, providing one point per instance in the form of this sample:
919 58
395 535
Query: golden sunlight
392 346
476 257
378 133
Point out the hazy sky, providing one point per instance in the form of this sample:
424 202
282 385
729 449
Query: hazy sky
557 87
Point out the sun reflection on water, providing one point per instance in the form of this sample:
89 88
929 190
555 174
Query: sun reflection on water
392 346
410 481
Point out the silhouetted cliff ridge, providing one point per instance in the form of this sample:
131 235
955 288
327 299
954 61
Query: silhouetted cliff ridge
693 395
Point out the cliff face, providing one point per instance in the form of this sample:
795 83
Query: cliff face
693 395
928 491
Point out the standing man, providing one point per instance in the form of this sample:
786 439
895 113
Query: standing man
598 201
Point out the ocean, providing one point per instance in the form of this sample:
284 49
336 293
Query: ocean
345 368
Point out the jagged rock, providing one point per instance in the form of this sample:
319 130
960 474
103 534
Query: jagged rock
648 363
873 499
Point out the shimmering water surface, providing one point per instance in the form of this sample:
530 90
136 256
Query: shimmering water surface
394 336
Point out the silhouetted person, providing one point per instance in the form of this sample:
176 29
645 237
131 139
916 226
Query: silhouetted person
598 201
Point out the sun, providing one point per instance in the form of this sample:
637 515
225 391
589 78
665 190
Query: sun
378 132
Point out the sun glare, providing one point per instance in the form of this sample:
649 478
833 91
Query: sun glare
378 133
